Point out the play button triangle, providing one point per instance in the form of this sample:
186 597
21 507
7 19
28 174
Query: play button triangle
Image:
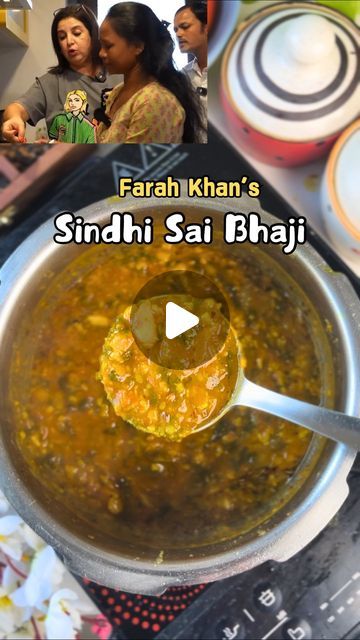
178 320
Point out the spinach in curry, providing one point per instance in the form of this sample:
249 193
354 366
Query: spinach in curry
170 403
203 487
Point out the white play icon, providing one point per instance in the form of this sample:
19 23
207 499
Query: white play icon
178 320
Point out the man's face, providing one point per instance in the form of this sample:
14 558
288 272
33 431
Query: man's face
190 32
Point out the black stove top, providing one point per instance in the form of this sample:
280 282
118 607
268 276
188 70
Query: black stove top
316 594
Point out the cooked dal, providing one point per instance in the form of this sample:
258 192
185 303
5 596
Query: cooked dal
207 486
169 403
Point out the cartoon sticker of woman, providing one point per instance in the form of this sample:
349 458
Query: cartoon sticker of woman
73 126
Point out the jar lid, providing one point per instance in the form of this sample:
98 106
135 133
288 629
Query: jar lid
343 178
292 71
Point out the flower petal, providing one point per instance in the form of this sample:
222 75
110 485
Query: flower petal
11 547
45 574
31 538
62 620
9 524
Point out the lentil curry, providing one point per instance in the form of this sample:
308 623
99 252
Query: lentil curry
167 402
136 486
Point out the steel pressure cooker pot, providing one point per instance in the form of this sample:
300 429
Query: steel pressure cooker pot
127 509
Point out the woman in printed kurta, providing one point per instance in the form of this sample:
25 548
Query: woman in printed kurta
153 114
156 102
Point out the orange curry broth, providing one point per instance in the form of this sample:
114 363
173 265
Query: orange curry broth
203 487
170 403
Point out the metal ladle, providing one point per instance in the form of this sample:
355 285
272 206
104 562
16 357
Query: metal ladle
326 422
331 424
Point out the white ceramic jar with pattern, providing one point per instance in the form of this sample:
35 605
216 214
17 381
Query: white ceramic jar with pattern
340 193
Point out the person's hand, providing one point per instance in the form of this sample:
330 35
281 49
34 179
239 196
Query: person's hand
14 129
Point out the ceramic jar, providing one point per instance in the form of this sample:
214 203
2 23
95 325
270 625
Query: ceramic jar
340 193
290 81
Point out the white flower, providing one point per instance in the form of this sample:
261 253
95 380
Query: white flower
10 579
10 544
11 617
31 538
63 620
45 575
26 632
28 604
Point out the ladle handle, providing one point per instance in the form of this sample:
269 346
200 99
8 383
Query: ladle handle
332 424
